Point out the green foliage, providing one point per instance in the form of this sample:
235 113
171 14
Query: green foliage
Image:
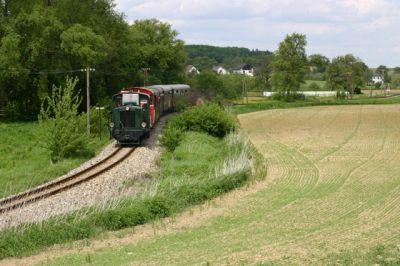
208 118
341 94
378 85
204 57
42 41
155 45
171 137
82 42
62 129
290 65
318 63
317 101
384 71
396 81
345 71
184 180
313 86
25 164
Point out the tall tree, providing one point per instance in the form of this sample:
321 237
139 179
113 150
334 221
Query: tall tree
155 45
289 64
347 72
384 71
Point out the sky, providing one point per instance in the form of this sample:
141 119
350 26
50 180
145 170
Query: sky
369 29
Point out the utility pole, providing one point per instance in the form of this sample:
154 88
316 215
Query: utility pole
88 69
145 70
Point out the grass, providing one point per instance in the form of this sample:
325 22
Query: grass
199 169
331 197
266 104
24 163
306 84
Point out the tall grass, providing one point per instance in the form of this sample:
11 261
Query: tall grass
183 180
24 163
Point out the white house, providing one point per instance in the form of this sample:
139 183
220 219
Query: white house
244 69
377 78
190 69
220 70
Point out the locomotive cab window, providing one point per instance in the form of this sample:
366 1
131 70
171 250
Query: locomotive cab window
130 98
143 103
117 101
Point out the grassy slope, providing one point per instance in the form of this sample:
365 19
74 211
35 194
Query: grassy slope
331 201
187 176
24 163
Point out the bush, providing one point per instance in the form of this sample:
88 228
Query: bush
288 97
171 137
314 86
208 118
341 94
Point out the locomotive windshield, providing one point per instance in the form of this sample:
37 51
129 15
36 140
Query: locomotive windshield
130 99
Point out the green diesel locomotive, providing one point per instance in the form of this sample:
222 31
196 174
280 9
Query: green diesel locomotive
136 110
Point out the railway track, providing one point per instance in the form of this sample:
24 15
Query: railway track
54 187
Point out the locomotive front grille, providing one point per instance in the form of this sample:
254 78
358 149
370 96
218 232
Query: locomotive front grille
127 118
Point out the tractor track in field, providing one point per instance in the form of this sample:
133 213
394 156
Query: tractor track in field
57 186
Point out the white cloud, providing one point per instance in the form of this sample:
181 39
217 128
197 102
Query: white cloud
332 26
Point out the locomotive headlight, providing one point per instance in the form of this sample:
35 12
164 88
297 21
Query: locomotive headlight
127 108
144 124
111 124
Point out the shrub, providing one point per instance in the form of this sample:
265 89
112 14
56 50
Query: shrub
208 118
288 97
171 137
341 94
63 132
313 86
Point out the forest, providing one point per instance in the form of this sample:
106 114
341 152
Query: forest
43 41
206 56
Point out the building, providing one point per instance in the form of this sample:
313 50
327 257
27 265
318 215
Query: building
220 70
244 69
190 70
377 78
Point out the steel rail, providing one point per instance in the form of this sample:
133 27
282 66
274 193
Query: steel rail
54 187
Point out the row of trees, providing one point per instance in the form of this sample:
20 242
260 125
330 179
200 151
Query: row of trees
291 65
43 41
285 71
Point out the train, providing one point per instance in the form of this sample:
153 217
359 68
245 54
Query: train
136 110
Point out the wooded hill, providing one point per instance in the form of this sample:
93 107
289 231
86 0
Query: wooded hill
206 57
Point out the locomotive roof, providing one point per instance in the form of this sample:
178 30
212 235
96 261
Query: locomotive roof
156 89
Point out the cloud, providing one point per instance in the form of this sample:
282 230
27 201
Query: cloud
332 26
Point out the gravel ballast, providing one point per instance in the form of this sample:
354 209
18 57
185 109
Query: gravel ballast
111 185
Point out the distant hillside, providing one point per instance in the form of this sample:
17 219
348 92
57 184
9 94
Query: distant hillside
205 56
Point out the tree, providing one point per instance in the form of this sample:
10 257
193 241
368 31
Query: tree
62 129
396 81
396 70
290 64
347 72
318 63
155 45
82 42
384 71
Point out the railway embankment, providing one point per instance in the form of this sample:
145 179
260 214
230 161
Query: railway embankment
154 185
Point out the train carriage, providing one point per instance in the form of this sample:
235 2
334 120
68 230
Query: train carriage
136 110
